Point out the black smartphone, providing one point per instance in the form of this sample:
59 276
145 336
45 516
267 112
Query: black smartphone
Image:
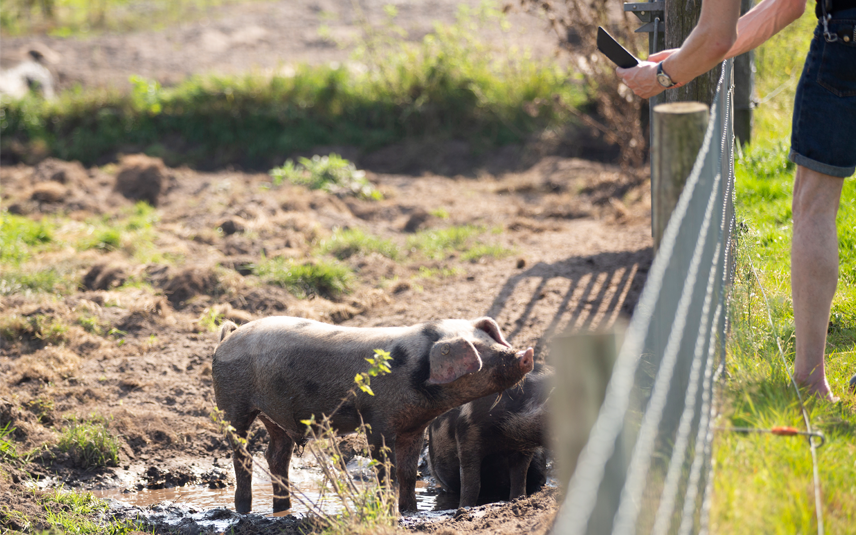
614 51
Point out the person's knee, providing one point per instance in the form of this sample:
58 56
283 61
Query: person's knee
816 196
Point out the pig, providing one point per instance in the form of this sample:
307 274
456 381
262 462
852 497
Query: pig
285 370
493 446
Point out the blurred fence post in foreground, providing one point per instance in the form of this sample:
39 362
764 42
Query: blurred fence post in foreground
646 466
583 370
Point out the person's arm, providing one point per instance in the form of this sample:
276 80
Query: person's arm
764 21
718 35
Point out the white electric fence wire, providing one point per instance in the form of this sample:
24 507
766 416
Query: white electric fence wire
640 462
663 519
818 504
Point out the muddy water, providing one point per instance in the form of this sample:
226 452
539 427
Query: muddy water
307 480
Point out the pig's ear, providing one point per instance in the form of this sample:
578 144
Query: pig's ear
451 359
489 326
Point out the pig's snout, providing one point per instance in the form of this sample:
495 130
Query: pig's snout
526 360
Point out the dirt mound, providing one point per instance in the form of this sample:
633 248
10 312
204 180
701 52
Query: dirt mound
106 276
142 178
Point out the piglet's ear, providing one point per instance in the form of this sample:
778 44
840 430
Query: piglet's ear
451 359
489 326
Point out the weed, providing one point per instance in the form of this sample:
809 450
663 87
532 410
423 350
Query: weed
71 512
441 273
16 327
440 213
320 277
210 320
485 250
332 174
19 280
8 451
347 242
89 443
20 236
436 244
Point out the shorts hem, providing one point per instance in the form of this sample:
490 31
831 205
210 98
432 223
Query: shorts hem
820 167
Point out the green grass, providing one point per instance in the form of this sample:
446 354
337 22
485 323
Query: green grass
89 443
439 243
21 236
763 483
345 243
321 277
331 173
447 86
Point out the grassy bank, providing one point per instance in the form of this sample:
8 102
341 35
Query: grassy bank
448 86
763 483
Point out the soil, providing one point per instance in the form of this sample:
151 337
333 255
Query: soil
579 231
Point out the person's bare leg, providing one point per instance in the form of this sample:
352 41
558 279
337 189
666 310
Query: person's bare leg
814 272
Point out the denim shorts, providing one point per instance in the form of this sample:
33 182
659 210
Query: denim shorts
823 137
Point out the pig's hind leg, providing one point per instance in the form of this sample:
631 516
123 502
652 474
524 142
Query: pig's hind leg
518 465
243 462
278 456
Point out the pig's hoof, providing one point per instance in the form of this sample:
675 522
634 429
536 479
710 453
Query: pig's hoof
281 505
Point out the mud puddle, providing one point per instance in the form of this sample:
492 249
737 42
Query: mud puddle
200 508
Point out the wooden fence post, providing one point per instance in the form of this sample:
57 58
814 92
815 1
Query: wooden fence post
583 365
676 137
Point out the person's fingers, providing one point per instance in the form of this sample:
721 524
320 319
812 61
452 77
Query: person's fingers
657 57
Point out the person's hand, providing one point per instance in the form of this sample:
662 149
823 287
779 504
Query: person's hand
641 79
657 57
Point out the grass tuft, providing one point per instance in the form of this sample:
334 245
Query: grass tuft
345 243
89 443
332 174
302 279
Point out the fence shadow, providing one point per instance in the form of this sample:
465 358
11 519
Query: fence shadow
580 292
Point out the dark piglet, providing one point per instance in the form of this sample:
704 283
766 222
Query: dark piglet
492 447
285 370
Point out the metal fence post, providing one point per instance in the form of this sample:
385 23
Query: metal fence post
677 135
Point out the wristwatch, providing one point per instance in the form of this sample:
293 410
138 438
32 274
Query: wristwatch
662 78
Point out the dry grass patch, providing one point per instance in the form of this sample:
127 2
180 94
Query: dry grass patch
47 365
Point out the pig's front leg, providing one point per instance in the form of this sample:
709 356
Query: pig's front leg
407 448
470 456
518 465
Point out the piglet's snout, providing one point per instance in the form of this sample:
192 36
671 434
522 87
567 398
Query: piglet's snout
526 359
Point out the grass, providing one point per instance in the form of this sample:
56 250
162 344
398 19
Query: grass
331 173
439 243
345 243
89 443
763 483
320 277
448 86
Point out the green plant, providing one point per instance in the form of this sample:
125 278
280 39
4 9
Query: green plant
332 174
345 243
89 443
210 320
437 244
8 451
39 326
485 250
20 236
320 277
72 512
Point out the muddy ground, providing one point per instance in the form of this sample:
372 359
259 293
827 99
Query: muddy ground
576 232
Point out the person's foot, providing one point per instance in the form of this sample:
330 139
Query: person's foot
816 385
